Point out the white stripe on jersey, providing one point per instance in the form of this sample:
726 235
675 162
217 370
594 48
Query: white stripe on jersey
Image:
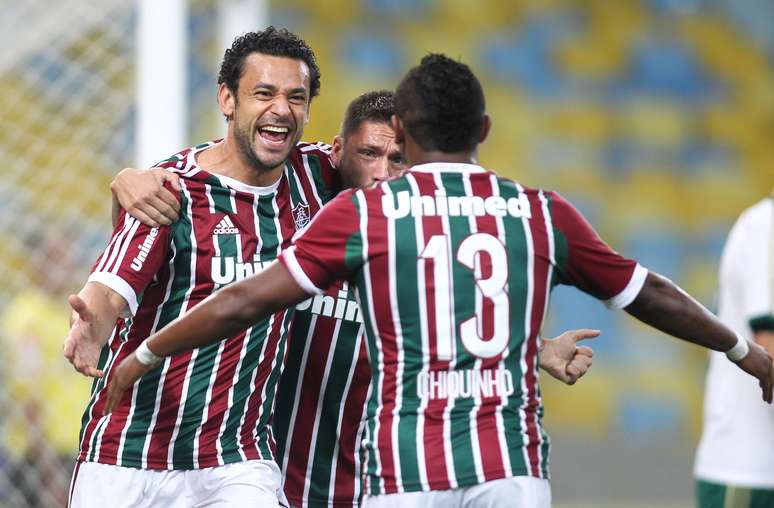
473 415
424 333
549 274
355 455
297 396
318 408
501 430
392 279
447 437
264 346
530 248
119 248
183 308
208 194
207 400
366 305
310 177
167 361
128 222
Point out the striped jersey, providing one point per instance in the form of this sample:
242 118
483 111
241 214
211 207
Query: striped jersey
453 267
320 403
210 406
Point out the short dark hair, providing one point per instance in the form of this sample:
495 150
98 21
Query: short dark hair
377 106
271 41
441 104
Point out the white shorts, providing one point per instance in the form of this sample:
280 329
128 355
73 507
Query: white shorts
251 483
515 492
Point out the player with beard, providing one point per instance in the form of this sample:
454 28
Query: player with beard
323 388
452 267
196 431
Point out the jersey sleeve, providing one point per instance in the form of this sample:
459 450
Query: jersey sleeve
585 261
329 248
133 257
754 265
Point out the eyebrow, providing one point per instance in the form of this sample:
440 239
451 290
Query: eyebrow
274 88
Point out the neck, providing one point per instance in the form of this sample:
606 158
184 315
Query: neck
416 155
225 159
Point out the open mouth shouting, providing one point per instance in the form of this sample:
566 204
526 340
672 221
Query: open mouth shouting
274 135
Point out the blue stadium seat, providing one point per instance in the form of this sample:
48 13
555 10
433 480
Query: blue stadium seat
570 308
667 68
657 248
402 8
525 57
371 53
642 417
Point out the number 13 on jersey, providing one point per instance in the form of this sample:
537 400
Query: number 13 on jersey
491 287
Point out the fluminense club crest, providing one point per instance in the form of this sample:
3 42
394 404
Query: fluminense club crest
301 215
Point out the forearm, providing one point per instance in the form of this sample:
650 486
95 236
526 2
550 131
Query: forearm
668 308
106 307
229 311
115 209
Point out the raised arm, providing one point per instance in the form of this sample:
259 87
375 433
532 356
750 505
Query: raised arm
142 194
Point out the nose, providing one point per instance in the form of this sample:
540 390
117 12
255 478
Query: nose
382 170
280 106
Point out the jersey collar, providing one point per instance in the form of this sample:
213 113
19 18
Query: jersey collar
446 167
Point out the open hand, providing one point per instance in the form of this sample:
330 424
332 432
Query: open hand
758 363
81 347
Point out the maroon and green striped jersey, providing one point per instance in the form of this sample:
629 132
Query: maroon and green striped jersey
213 405
321 400
452 267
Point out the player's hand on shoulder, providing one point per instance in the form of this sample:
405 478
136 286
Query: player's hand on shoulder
758 363
121 379
142 194
81 348
563 359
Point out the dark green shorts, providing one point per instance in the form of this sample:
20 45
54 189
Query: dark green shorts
717 495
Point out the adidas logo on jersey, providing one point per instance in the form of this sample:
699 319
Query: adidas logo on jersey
225 227
454 206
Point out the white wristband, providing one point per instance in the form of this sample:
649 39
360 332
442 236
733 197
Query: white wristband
145 356
740 349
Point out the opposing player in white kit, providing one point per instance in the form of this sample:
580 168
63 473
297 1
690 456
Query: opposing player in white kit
735 460
452 266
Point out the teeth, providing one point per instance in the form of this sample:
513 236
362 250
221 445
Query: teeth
271 128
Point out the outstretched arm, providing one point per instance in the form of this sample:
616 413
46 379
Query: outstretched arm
663 305
142 194
95 310
223 314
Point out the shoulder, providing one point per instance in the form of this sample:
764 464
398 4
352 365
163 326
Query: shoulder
317 147
181 162
756 223
319 151
758 215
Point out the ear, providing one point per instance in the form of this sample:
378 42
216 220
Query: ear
397 126
337 150
486 126
226 101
